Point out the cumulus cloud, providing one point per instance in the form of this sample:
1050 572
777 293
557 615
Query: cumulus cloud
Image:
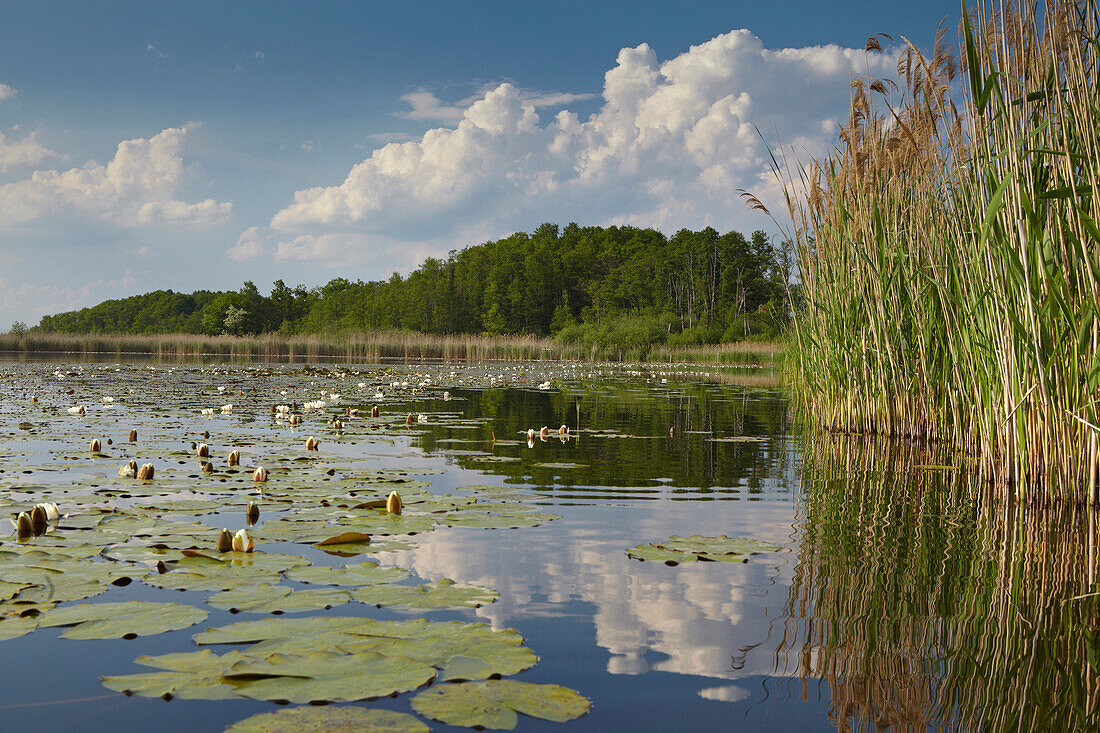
426 106
251 245
669 147
6 92
24 152
138 187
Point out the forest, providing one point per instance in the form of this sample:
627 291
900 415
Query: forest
578 284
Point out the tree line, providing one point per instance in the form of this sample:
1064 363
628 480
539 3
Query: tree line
574 283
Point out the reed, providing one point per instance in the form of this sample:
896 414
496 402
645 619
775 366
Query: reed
950 253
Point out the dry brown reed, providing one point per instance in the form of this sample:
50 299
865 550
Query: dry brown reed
950 252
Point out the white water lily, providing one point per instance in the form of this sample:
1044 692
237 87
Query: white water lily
207 411
203 451
234 457
129 470
227 408
78 410
422 417
530 433
50 509
242 542
260 474
108 400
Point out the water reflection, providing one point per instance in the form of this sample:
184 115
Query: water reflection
923 607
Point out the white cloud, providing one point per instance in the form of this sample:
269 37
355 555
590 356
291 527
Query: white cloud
251 245
138 187
6 92
24 152
310 146
669 147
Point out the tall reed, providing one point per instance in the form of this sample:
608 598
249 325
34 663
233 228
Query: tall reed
950 251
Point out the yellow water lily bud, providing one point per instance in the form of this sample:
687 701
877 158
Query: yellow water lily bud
203 450
133 436
242 542
225 541
393 503
96 445
252 513
129 470
145 473
260 474
23 524
234 457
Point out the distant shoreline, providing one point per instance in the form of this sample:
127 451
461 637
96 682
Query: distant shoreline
387 346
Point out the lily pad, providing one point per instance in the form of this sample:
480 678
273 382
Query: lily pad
367 572
494 704
330 719
327 677
676 550
267 598
189 675
121 620
442 594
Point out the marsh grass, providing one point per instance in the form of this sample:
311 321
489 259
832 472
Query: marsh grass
950 251
379 345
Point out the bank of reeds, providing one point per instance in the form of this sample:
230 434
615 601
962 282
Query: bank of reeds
377 346
950 251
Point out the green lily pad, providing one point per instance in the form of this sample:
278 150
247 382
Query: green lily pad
14 626
676 550
327 677
442 594
494 704
367 572
330 719
267 598
189 675
119 620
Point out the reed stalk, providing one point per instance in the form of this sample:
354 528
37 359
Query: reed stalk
950 253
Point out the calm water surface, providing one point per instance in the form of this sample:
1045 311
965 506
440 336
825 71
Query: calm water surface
896 598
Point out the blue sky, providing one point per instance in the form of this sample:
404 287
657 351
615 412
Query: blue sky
190 145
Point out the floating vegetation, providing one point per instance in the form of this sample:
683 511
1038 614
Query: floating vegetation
330 719
494 704
676 550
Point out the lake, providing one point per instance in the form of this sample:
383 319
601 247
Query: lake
884 589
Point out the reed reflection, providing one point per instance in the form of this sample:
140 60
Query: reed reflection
922 605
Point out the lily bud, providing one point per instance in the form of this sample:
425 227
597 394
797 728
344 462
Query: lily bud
38 517
225 541
393 503
129 470
96 445
374 411
23 524
563 430
295 419
51 511
312 443
145 473
337 426
530 433
260 474
252 513
446 396
203 450
133 436
544 432
242 542
207 467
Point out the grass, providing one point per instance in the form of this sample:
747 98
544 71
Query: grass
376 346
948 252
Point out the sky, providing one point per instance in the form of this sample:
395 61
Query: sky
195 145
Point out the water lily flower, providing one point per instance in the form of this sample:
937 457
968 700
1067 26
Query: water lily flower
393 503
50 510
145 473
108 400
446 396
203 450
422 417
207 411
227 408
337 426
129 470
312 443
78 410
242 542
96 445
295 419
225 541
530 442
133 436
260 474
234 457
530 434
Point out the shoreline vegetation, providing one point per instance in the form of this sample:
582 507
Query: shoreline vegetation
389 345
948 252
